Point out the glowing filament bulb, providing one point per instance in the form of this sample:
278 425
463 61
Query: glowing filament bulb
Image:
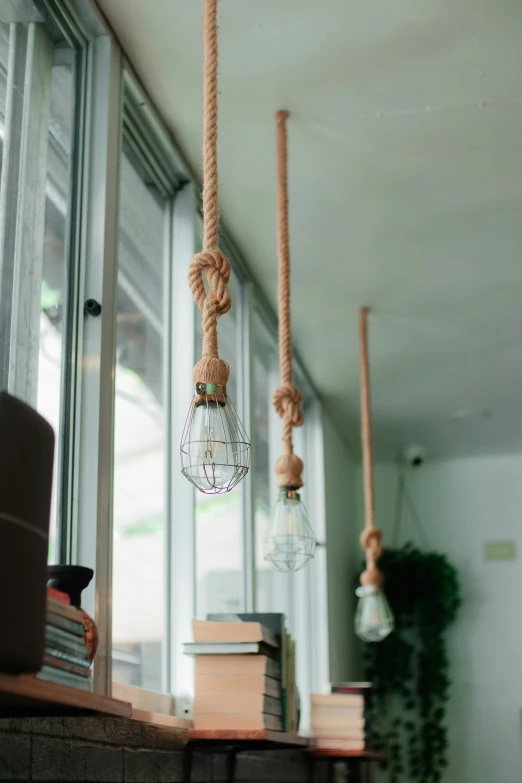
373 617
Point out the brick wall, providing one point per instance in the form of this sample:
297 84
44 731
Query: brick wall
113 750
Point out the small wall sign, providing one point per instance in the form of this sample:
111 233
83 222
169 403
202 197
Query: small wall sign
500 550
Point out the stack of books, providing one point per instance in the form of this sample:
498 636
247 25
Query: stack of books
338 719
66 660
244 673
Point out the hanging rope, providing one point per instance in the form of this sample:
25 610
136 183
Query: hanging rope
211 263
286 398
371 536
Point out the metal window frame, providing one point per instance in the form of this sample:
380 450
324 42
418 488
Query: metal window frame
247 408
92 543
156 155
182 544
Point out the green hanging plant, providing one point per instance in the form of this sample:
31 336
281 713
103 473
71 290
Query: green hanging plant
409 669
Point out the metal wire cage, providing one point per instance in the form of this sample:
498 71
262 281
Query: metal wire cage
215 451
290 542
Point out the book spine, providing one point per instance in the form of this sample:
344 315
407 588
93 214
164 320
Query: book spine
292 724
66 642
49 674
52 592
59 663
284 674
67 656
348 689
66 610
63 623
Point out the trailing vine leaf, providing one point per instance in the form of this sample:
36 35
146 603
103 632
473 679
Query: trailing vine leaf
410 668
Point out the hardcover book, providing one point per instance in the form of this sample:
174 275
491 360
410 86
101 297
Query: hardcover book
246 632
238 664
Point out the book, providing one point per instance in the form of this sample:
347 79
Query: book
65 610
212 703
275 622
323 716
336 743
68 657
361 688
59 677
247 721
52 592
59 621
238 664
247 632
346 728
339 733
65 641
237 683
291 710
227 648
335 700
59 663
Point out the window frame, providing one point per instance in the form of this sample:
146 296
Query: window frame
111 102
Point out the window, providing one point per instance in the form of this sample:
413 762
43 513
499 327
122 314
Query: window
219 518
140 444
4 57
55 272
116 388
39 129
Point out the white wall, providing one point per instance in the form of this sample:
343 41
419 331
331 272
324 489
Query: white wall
463 504
340 490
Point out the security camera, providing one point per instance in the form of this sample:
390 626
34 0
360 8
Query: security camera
414 455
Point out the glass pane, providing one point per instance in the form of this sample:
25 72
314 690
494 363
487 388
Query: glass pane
219 534
55 263
140 458
266 379
4 56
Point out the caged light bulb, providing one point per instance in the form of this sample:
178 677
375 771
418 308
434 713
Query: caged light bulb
290 542
373 616
214 448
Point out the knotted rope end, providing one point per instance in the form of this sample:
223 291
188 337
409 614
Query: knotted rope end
371 542
288 469
287 403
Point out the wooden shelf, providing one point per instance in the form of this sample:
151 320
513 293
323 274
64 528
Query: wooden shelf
24 694
239 736
338 753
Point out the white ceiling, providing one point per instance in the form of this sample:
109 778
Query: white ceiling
405 190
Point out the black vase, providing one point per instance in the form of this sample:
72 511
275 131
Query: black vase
71 580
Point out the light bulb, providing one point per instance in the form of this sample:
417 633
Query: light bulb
214 449
373 616
290 542
212 452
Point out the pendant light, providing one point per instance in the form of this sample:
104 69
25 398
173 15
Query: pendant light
215 450
373 616
290 542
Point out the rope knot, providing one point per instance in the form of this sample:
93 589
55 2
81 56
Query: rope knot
371 541
287 403
216 268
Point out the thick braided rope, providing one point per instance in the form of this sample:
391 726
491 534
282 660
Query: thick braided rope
210 262
286 398
371 536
